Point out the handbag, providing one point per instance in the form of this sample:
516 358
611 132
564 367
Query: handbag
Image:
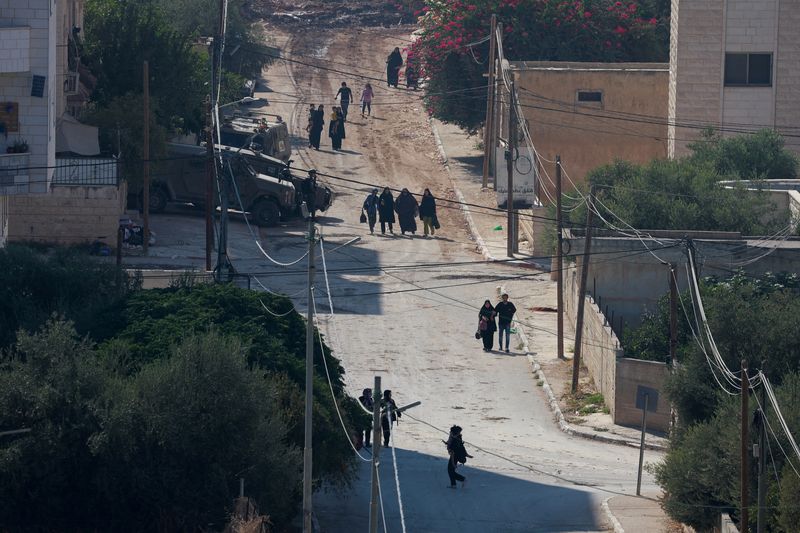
363 218
477 334
436 224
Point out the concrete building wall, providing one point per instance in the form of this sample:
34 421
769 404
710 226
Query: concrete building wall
600 348
702 31
696 58
36 115
68 215
585 134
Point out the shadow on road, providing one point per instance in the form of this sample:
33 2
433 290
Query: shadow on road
491 501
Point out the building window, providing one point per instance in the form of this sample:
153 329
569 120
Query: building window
590 97
742 69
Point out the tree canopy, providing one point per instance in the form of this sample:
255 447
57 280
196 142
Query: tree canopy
147 409
533 30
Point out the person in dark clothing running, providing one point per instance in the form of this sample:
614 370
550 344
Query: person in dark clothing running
427 212
386 210
317 122
388 411
393 64
505 314
407 208
346 97
486 325
371 207
368 403
458 454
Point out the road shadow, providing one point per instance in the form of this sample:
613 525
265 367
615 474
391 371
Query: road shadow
490 501
352 152
473 165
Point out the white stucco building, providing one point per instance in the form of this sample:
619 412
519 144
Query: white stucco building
734 65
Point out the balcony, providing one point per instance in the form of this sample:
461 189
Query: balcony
14 177
15 49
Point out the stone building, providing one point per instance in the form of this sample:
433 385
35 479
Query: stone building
53 188
583 112
735 66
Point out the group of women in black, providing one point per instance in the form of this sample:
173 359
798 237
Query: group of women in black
383 208
316 122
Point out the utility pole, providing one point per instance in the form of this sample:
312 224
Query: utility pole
744 522
376 450
488 134
223 262
307 445
673 315
146 156
210 163
762 460
497 41
510 159
576 359
559 261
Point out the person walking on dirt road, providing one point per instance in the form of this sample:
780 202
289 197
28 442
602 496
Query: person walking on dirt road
367 401
317 122
458 454
486 325
505 314
366 100
336 129
371 207
310 124
346 96
393 64
388 412
386 210
407 208
427 212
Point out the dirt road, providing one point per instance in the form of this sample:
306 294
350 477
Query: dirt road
414 325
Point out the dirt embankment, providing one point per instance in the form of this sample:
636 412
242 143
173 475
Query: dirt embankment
328 13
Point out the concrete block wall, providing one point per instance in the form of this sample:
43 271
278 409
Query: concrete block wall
15 44
630 374
600 349
36 115
696 58
67 215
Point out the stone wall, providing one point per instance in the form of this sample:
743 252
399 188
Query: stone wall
68 215
630 374
600 348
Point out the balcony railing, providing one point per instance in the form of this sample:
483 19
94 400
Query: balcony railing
14 173
92 172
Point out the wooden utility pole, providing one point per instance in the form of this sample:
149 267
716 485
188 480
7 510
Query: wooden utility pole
510 160
762 460
146 157
376 450
744 522
488 134
673 315
307 445
559 261
497 99
209 186
576 360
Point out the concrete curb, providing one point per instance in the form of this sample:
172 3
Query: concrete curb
479 242
563 425
611 518
537 370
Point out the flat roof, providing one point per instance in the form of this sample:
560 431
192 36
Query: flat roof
578 66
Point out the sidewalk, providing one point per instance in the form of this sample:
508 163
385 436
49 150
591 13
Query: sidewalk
463 159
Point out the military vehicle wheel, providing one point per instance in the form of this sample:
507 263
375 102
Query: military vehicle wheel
266 213
158 200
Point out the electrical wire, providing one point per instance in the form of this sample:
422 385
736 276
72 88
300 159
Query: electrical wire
396 473
273 313
250 228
